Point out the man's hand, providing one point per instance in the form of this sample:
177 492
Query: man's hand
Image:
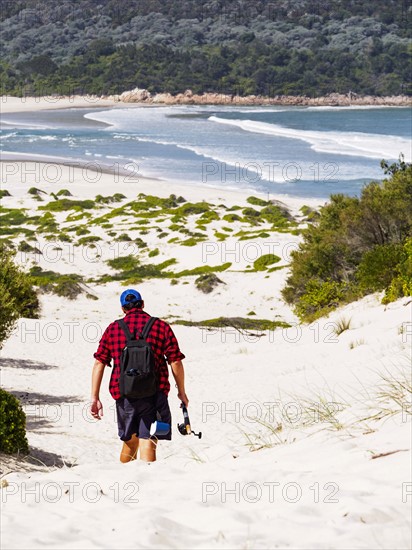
183 398
179 376
96 409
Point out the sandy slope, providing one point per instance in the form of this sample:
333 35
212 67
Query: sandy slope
301 487
10 104
344 498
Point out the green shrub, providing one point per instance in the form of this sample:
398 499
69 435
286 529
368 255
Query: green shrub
355 247
309 213
12 425
232 218
220 236
131 269
208 217
154 253
191 241
378 267
63 237
401 284
208 282
47 223
250 212
256 201
124 263
64 193
176 227
83 241
264 261
24 246
140 243
4 193
62 205
12 216
124 237
320 298
17 296
76 217
239 323
276 215
36 192
193 208
82 231
203 269
64 285
158 202
117 197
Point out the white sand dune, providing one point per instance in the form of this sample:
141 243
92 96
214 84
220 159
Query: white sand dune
319 489
263 476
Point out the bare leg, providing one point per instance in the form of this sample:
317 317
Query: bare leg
148 450
129 449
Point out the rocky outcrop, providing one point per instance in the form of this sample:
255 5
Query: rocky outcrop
212 98
135 96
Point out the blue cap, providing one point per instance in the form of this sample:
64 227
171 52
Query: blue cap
130 291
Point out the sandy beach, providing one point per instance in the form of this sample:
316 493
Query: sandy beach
306 432
138 97
11 104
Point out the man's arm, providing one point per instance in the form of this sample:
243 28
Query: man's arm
96 408
179 376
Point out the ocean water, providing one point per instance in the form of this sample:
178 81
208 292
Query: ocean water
299 151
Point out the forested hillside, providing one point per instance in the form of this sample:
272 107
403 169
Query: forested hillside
310 47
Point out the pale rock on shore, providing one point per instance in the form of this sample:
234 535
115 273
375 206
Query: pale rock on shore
138 96
212 98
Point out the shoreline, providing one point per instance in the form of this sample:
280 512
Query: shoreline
12 104
18 175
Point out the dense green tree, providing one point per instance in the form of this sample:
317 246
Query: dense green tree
17 296
356 246
243 46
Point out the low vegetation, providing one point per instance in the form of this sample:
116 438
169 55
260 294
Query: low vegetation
17 296
12 425
208 282
239 323
357 246
65 285
262 263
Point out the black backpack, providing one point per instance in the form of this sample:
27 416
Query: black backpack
137 370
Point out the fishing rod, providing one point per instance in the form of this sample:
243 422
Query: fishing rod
185 428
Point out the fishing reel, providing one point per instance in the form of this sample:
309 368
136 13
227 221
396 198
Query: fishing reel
185 428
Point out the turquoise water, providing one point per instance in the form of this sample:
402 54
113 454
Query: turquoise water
307 152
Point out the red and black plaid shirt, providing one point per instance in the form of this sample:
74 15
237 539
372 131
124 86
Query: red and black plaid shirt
161 338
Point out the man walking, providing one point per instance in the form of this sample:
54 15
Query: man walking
135 416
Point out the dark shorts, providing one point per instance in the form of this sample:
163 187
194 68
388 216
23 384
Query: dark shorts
135 416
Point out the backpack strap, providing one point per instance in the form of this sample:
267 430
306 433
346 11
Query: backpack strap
145 332
123 325
147 327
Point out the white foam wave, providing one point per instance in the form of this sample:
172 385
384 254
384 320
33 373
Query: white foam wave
353 107
26 125
339 143
7 136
